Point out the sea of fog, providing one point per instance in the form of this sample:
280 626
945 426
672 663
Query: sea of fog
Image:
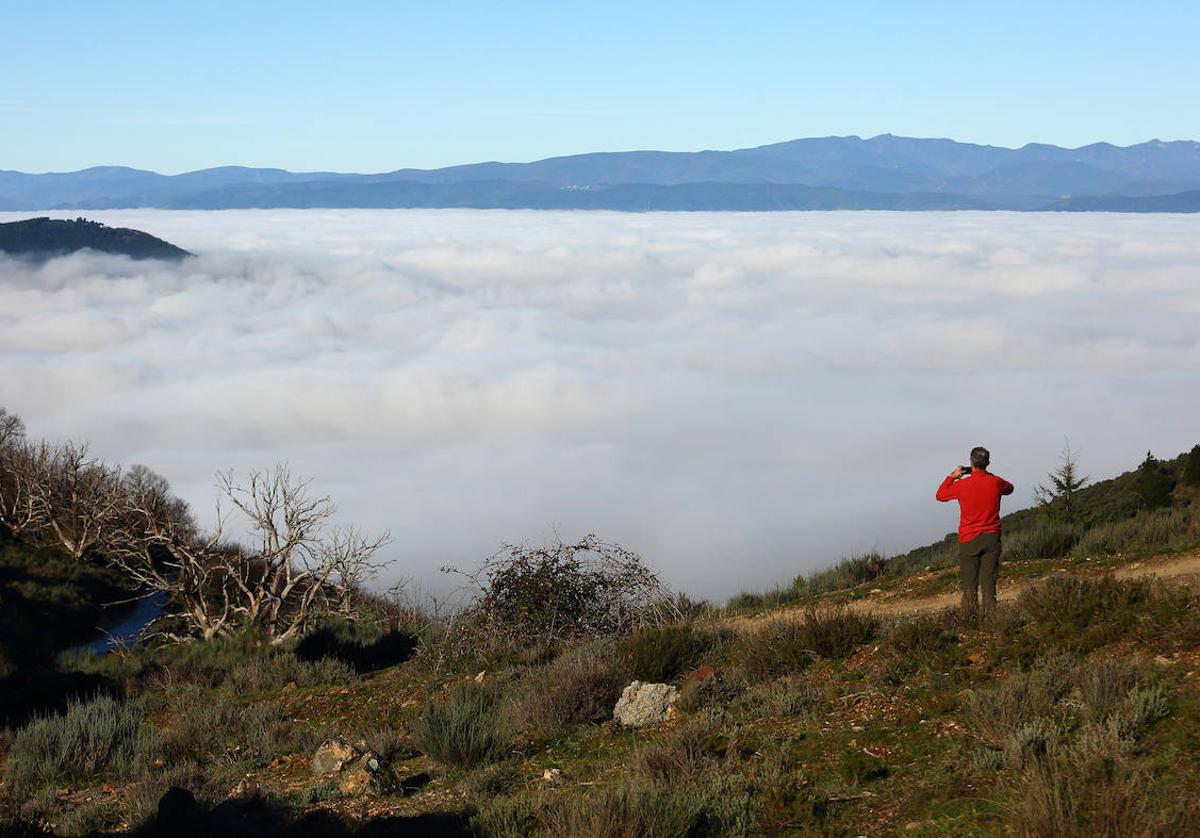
737 397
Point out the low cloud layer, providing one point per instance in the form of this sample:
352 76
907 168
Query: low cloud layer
739 397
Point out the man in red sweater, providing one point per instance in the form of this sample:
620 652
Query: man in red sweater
978 493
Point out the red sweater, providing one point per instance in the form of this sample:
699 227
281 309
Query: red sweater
978 499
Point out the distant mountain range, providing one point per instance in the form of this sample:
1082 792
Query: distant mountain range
45 237
884 172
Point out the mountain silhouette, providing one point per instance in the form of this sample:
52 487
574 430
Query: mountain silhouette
883 172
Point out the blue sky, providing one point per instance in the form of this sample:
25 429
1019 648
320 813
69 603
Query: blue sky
375 86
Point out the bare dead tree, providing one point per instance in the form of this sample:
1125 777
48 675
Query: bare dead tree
12 428
160 551
295 569
344 550
18 470
78 497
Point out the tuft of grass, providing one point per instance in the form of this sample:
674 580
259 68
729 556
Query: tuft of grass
786 696
723 687
465 728
786 646
649 810
90 739
274 671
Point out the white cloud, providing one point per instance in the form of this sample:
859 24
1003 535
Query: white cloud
740 397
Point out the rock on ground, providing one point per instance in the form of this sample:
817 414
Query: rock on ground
644 704
358 769
332 755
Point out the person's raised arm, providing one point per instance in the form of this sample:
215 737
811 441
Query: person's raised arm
1006 488
949 490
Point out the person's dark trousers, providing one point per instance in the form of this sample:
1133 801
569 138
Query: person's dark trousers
978 565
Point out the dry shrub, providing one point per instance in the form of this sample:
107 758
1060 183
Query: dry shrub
682 754
921 636
564 592
776 649
722 687
1063 795
997 712
837 632
579 687
790 695
651 811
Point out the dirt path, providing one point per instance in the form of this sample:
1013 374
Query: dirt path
1180 567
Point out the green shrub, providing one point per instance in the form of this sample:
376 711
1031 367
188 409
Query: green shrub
1155 481
273 671
209 728
837 632
564 592
1080 614
664 653
1191 468
774 650
920 636
579 687
1041 539
465 728
998 711
787 696
1170 528
90 739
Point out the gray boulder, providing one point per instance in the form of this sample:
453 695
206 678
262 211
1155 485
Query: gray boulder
641 704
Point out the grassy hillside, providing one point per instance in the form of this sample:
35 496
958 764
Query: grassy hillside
1115 523
1073 710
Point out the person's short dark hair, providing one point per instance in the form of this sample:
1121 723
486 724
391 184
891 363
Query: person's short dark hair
980 457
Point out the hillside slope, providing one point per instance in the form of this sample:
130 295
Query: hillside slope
864 708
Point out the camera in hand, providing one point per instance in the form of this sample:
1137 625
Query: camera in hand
965 469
